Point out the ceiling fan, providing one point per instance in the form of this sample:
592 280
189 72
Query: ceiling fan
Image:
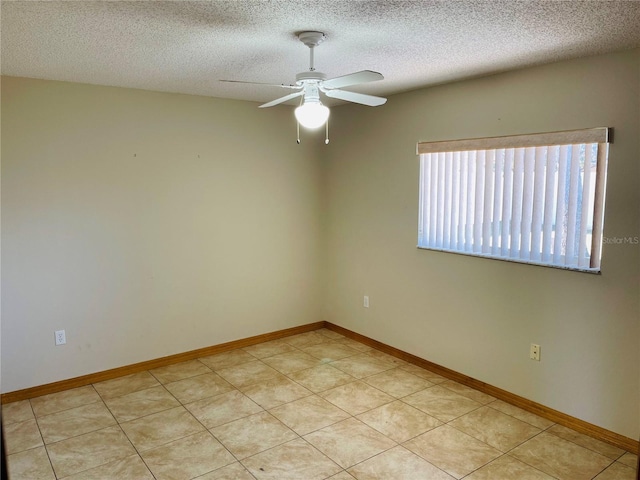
310 84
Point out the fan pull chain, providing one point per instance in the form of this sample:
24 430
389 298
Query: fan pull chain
298 128
326 140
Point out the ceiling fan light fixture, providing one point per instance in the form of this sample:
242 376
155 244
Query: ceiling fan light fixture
312 114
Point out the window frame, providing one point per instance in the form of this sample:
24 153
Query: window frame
602 136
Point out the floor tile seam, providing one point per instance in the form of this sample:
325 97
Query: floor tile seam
421 390
284 403
230 421
235 419
142 452
202 363
67 409
495 447
394 360
626 464
94 466
228 366
154 413
199 398
313 392
396 444
353 417
476 438
423 411
514 458
276 354
429 462
375 455
103 464
4 439
382 433
366 354
513 416
104 399
25 450
261 451
603 470
317 429
50 461
184 404
396 397
321 428
623 464
408 439
180 379
319 365
4 420
145 464
180 404
137 391
158 384
393 399
187 436
583 446
331 388
293 440
82 433
466 396
529 438
357 378
249 384
355 353
408 450
532 466
446 422
220 468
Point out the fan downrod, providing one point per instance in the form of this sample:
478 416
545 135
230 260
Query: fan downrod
311 40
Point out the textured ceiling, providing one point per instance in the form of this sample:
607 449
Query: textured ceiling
187 46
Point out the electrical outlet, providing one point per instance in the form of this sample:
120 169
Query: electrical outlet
366 301
61 337
534 352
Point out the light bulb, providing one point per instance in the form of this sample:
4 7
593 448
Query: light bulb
312 114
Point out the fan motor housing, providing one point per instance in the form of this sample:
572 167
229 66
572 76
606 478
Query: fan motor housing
303 77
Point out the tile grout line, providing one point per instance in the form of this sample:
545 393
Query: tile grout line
363 379
46 450
217 440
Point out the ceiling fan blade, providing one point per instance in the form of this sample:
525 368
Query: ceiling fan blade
361 98
364 76
259 83
282 99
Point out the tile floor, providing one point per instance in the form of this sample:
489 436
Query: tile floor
308 407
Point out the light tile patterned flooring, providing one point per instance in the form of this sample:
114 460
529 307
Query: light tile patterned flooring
308 407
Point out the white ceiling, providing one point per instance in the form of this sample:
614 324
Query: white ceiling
187 46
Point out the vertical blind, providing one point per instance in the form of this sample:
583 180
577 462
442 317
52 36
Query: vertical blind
530 198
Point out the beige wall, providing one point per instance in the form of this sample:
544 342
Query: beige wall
147 224
474 315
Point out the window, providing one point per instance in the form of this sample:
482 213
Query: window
528 198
